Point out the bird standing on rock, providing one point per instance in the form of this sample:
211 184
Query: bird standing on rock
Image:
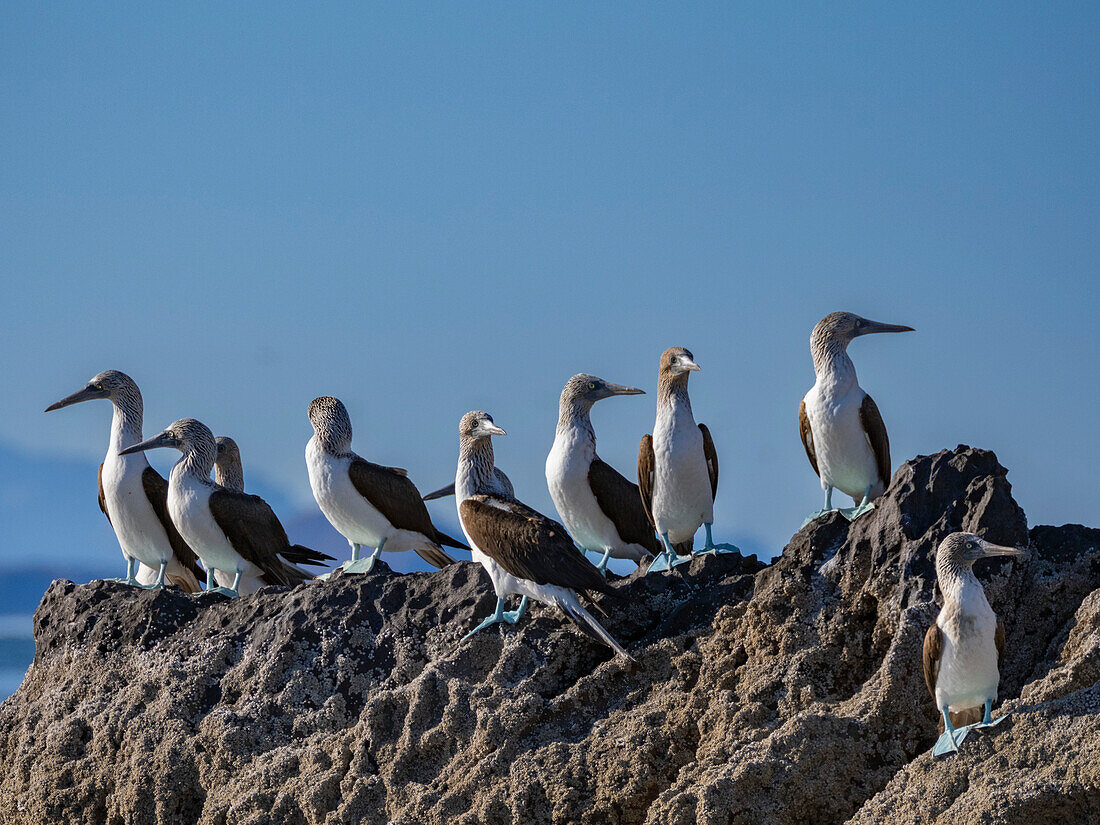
602 511
366 503
237 536
962 650
133 496
678 467
840 424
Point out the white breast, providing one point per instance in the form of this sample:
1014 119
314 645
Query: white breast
845 459
353 516
682 498
968 674
567 468
140 533
189 508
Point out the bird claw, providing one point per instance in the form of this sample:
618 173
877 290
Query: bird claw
991 724
490 620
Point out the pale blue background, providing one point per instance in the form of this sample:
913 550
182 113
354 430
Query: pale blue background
427 208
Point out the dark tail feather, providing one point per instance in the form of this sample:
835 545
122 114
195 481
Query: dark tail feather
590 627
447 541
434 556
442 492
297 554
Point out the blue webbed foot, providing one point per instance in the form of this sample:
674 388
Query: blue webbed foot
493 618
987 720
513 616
359 565
814 516
224 591
949 741
852 513
719 548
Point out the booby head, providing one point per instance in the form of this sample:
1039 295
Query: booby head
677 361
228 470
187 435
958 552
331 423
110 384
586 390
478 424
843 327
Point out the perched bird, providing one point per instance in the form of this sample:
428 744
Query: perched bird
133 495
527 554
842 430
475 454
602 511
236 535
678 467
962 650
228 470
366 503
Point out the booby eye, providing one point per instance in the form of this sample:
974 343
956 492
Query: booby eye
591 386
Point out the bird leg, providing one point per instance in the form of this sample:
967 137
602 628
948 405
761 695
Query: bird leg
668 559
951 737
602 566
824 512
493 618
131 579
159 583
231 592
514 616
711 547
987 720
358 565
865 506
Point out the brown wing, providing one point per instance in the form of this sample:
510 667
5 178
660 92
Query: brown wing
876 434
528 544
156 490
254 531
102 497
999 640
807 435
645 476
712 460
396 498
621 502
933 649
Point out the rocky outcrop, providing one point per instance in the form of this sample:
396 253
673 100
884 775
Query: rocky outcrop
787 693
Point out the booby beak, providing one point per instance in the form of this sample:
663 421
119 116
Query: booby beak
87 393
619 389
493 429
161 440
875 326
989 549
689 365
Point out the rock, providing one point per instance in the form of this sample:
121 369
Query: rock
787 693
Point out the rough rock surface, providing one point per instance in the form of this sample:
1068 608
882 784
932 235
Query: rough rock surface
788 693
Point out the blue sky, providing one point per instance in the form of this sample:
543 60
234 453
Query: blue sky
431 208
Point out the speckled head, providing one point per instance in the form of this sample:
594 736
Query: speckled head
188 435
959 551
331 422
228 470
110 384
478 424
588 389
677 361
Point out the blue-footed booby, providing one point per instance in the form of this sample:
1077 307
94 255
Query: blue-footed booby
678 467
133 496
527 554
228 470
602 511
237 536
962 650
366 503
841 427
